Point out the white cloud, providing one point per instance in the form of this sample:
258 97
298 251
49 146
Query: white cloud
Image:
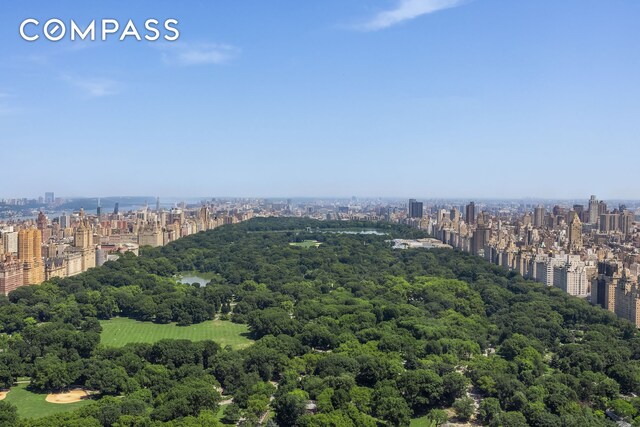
94 87
406 10
186 54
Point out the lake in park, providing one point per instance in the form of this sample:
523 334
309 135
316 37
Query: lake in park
190 278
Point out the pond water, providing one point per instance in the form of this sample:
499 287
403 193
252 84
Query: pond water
192 278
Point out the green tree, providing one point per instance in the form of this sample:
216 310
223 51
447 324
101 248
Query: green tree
108 378
464 408
421 388
231 414
513 419
289 408
489 410
50 374
186 399
8 414
438 416
623 408
394 410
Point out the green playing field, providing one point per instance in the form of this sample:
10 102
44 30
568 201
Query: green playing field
120 331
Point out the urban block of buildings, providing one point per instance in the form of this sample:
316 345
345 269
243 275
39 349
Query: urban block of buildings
35 250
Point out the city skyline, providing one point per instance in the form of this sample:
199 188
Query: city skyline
459 99
190 198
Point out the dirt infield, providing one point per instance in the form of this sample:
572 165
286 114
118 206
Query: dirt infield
71 396
3 394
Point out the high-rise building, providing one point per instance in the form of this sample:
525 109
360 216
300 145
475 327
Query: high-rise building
538 216
603 286
64 220
575 233
609 222
545 272
150 236
30 254
627 300
626 222
42 224
470 213
11 275
176 215
26 248
571 276
415 209
602 207
454 215
49 198
82 238
481 235
10 241
593 210
83 244
204 215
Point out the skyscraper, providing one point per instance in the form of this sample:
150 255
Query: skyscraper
593 210
30 254
26 247
538 216
602 208
48 197
575 233
609 222
83 243
470 213
415 209
626 221
481 235
10 241
454 215
41 221
64 220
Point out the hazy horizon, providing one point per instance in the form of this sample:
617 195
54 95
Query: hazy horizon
195 199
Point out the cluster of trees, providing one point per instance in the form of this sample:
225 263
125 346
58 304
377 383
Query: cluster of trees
351 333
139 288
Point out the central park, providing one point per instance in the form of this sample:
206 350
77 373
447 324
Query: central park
294 322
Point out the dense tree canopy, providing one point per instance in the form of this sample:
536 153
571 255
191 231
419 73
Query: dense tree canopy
349 333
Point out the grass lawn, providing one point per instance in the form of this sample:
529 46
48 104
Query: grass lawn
33 405
120 331
306 244
422 422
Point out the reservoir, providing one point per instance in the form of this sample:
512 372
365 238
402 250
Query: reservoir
190 278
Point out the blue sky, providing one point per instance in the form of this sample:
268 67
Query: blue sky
424 98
